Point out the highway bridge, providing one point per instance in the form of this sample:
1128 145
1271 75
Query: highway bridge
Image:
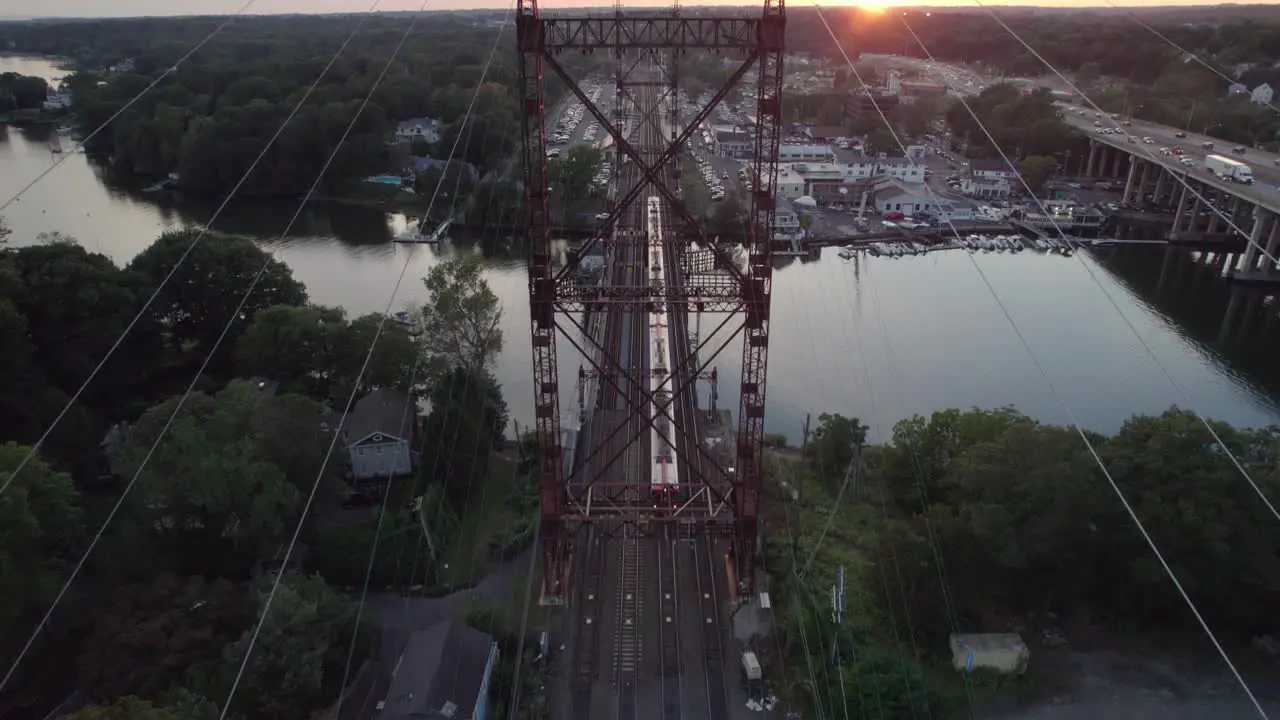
1206 210
649 529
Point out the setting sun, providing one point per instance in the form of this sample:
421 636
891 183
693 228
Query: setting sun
872 6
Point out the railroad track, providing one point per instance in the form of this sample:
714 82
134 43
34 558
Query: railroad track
587 641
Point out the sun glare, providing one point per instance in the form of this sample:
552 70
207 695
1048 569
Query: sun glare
871 6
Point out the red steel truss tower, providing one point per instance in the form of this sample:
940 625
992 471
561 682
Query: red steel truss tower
726 498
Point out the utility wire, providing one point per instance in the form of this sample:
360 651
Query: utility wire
266 610
159 79
1199 60
1133 515
1164 370
204 229
190 387
1132 139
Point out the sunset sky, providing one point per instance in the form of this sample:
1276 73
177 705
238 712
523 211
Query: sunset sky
124 8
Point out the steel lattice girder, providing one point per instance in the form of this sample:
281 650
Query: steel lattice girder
651 32
716 293
755 347
660 408
672 151
541 301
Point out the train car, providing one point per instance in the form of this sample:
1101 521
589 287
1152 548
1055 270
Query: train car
664 478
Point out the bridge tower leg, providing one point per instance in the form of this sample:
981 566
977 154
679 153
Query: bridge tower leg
530 42
755 349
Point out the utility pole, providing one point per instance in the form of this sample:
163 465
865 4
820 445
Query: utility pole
804 445
837 614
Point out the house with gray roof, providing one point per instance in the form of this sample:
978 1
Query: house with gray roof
444 673
379 435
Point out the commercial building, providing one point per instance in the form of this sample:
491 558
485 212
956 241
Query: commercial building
806 153
733 144
989 179
863 103
895 196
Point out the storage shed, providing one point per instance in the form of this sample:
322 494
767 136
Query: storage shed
1002 652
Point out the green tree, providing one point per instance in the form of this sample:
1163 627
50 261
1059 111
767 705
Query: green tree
152 636
42 531
206 499
199 300
126 708
420 147
806 222
76 305
574 173
468 416
5 232
1036 171
1087 73
446 182
298 659
291 344
727 218
834 445
461 322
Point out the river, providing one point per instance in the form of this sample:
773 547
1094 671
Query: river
930 332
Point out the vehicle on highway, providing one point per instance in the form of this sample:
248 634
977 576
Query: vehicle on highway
1229 169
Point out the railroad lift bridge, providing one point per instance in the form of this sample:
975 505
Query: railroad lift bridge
649 520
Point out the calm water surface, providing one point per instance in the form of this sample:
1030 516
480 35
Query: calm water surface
877 338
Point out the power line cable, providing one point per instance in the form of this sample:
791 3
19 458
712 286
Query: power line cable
1133 515
1134 140
178 407
159 79
1164 370
1187 53
368 357
204 229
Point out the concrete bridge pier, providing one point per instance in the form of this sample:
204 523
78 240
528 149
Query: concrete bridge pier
1094 150
1130 185
1228 318
1265 235
1117 163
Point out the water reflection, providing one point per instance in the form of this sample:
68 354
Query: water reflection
925 328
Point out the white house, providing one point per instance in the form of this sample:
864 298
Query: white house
733 144
806 153
989 179
1237 89
896 196
58 100
786 221
790 184
1262 95
379 435
901 169
426 128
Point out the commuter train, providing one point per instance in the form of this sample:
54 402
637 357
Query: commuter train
665 477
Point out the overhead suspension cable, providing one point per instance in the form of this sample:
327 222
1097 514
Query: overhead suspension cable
1185 52
1146 346
191 386
159 79
297 533
1048 381
203 230
1182 179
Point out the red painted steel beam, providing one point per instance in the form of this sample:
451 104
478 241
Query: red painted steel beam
531 44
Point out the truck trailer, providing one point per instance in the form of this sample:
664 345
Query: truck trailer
1228 169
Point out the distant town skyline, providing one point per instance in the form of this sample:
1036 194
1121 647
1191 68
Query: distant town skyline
129 8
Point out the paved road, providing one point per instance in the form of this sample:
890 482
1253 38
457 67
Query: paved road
1266 171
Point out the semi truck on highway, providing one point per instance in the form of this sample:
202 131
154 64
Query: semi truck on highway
1228 169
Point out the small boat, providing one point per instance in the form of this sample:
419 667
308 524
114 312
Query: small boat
412 236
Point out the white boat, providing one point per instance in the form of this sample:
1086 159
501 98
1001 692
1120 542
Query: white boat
412 236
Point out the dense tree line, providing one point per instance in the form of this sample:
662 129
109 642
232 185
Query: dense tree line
213 115
159 619
1122 66
22 92
1017 520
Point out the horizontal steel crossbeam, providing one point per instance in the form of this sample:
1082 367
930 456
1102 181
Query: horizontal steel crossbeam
652 32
